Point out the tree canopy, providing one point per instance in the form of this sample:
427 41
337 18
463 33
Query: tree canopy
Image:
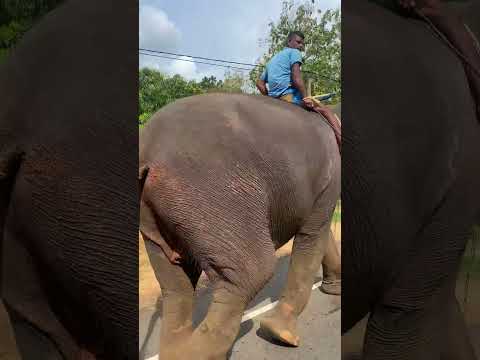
157 89
321 61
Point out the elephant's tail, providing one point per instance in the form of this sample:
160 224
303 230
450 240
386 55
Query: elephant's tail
148 223
142 177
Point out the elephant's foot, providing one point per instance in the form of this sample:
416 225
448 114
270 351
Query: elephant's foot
331 286
171 345
210 341
282 324
214 336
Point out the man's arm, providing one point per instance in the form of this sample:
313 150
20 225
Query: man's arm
298 84
297 80
262 86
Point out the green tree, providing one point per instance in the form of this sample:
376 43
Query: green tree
322 60
17 17
210 83
234 82
157 90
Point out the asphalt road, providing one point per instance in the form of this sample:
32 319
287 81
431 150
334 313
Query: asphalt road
319 325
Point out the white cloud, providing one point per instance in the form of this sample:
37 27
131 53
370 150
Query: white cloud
186 69
156 30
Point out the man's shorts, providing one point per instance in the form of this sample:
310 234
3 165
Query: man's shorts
287 98
291 98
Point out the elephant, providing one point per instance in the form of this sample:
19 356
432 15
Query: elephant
69 203
227 179
8 344
409 186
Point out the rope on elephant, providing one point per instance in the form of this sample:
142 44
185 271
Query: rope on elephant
448 42
337 128
474 38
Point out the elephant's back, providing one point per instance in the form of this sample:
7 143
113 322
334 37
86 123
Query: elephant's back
240 152
278 144
229 124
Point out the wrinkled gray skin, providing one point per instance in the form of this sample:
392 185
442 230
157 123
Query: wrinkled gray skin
68 198
227 180
410 185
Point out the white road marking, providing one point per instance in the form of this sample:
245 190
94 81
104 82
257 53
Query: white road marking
251 314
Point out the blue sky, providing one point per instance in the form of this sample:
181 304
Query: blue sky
223 29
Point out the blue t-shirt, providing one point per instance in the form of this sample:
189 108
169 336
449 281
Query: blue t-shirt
278 74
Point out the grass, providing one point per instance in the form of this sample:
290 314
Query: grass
471 262
471 266
337 215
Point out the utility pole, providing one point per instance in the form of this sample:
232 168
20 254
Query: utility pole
309 86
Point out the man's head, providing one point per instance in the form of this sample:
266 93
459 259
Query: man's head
295 40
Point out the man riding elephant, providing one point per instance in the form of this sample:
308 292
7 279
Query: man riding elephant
284 78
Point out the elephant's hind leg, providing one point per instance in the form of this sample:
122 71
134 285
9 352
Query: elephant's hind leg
332 270
435 331
239 272
416 317
309 249
177 285
307 254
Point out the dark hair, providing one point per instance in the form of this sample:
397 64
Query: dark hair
297 33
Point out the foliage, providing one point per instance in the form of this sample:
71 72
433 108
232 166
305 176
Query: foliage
210 83
322 60
157 89
234 82
17 17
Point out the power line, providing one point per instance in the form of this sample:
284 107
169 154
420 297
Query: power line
195 61
219 60
201 58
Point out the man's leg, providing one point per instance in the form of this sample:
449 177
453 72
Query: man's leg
323 110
